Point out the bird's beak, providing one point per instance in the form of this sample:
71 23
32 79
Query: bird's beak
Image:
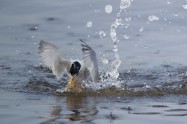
70 84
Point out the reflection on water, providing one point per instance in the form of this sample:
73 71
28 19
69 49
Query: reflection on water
55 112
75 101
83 109
46 109
77 108
72 109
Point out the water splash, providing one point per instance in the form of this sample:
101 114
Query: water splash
113 72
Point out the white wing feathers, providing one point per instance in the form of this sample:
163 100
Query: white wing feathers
52 57
90 61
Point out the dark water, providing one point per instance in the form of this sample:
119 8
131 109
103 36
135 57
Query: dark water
152 82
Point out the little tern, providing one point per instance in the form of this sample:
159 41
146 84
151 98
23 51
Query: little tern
78 71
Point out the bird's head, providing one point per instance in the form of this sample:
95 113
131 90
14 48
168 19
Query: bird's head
75 68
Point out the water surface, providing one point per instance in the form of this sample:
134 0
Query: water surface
151 87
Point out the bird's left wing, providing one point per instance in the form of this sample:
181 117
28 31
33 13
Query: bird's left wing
90 60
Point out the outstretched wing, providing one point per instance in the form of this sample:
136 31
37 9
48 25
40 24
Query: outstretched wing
90 60
52 57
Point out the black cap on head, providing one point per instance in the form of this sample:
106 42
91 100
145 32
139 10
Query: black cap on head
75 67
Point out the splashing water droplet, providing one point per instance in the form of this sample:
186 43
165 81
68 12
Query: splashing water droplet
108 9
153 18
125 4
115 50
128 19
175 14
141 29
102 34
184 6
89 24
113 34
126 36
178 30
105 61
32 36
168 2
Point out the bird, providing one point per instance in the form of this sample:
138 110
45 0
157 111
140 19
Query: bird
79 71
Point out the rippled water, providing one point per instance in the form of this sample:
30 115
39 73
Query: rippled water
34 108
141 48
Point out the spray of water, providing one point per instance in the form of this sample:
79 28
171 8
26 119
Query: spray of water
113 72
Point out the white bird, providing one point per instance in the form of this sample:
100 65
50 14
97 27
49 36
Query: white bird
77 70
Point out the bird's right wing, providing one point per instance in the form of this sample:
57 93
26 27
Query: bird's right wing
90 60
52 57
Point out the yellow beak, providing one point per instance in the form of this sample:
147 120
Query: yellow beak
70 84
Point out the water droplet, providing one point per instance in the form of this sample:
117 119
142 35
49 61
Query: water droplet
34 28
102 34
126 25
105 61
126 36
89 24
184 6
113 35
115 50
147 86
128 19
141 29
175 14
168 2
153 18
32 36
125 4
178 30
139 16
97 10
108 9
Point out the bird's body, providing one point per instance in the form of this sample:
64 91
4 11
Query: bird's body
78 71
